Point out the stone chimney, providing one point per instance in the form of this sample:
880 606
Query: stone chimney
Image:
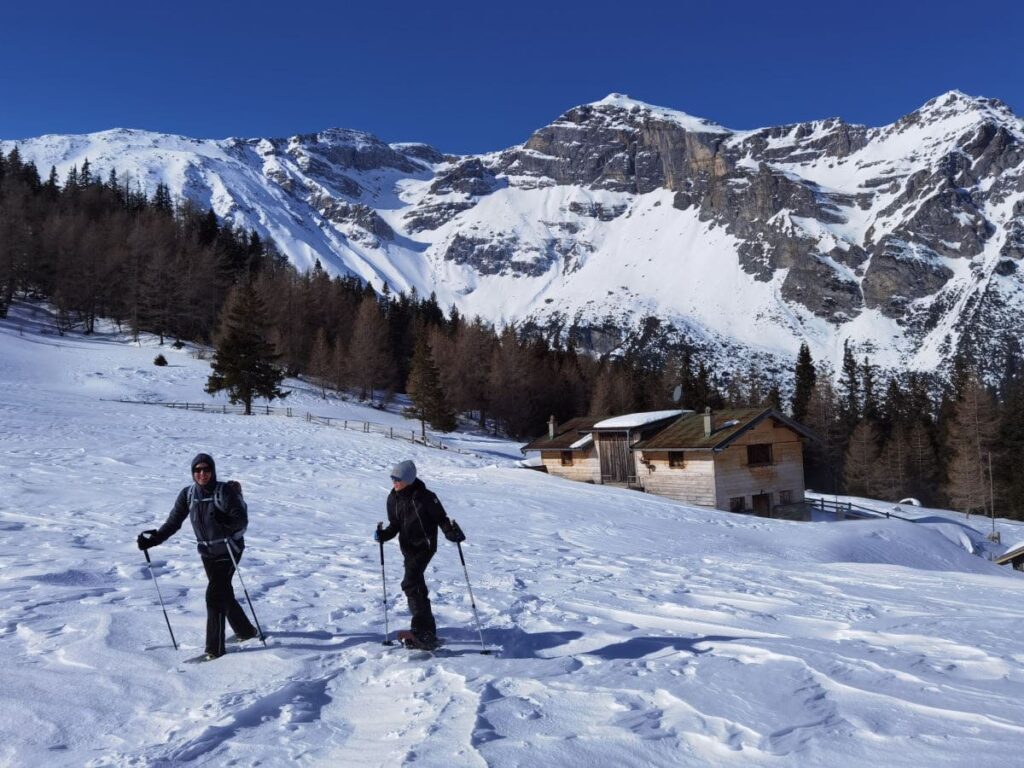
707 422
551 427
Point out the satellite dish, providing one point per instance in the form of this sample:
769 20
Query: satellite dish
677 393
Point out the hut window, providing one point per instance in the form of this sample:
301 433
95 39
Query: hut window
676 459
566 458
785 497
737 504
759 454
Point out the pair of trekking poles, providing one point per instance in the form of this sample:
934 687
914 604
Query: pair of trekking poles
241 581
472 602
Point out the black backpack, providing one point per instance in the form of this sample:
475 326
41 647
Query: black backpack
218 499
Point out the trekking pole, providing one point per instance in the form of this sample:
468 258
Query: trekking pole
152 573
384 583
246 591
472 602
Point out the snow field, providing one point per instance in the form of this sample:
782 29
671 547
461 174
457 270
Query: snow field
629 630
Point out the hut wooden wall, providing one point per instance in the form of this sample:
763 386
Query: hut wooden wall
786 472
585 465
693 484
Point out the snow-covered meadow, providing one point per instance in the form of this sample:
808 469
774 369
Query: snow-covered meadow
628 630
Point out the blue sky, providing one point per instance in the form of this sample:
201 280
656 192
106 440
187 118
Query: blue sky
472 76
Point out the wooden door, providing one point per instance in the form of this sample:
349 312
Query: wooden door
762 504
615 458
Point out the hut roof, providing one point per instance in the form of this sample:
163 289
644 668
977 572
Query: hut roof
567 437
687 432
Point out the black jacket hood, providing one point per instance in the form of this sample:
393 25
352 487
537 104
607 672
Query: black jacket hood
203 458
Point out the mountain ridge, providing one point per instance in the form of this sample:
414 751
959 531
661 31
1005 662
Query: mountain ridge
904 240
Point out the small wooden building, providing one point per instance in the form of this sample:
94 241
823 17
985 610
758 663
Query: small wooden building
739 460
568 450
616 438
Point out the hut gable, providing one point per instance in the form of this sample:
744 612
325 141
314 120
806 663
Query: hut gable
748 459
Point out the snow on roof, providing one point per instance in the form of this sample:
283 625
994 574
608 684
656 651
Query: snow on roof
632 420
583 442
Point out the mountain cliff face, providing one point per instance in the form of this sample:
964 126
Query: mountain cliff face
906 240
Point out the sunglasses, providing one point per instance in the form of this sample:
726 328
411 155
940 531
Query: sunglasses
395 479
201 469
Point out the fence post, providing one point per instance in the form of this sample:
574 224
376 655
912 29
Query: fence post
345 424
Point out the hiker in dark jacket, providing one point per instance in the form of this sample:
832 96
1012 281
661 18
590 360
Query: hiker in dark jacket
215 530
414 515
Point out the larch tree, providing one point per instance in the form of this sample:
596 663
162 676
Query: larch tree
860 469
371 363
970 441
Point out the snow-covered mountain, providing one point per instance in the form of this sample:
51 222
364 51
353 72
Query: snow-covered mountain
902 238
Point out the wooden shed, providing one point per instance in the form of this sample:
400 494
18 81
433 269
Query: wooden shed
568 450
616 437
739 460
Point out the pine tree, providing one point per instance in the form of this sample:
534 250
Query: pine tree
806 377
429 404
1006 465
244 363
849 390
870 409
825 455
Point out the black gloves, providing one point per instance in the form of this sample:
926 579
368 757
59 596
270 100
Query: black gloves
148 539
455 533
376 533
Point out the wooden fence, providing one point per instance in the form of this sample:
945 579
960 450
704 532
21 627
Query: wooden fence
369 427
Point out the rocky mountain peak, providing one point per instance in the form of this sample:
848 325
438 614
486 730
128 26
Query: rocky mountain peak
908 239
958 108
619 111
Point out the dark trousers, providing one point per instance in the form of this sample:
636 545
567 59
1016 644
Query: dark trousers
221 605
415 588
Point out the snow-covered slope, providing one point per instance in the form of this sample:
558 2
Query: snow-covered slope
901 239
629 630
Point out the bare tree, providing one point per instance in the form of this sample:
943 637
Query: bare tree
971 437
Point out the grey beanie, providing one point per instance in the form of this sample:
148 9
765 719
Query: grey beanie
404 471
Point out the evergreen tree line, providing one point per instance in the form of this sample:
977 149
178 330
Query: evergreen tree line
99 247
951 441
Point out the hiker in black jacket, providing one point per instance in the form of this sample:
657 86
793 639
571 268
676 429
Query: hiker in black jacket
217 527
414 515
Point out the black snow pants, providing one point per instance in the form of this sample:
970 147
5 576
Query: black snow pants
221 605
415 588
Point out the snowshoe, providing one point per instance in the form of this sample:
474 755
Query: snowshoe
416 642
